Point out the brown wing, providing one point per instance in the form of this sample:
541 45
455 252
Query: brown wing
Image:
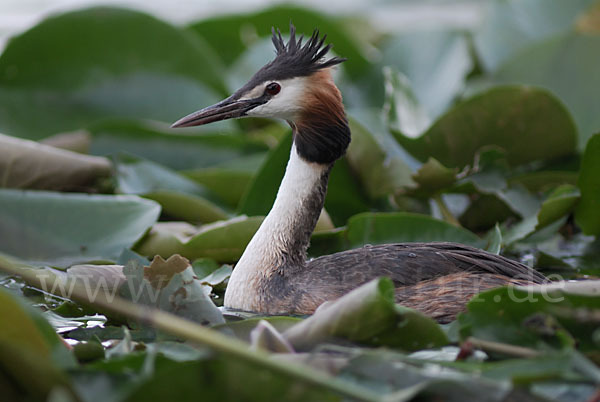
408 264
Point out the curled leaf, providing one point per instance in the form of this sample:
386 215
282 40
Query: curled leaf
27 164
170 285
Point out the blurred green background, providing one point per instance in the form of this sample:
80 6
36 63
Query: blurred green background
472 121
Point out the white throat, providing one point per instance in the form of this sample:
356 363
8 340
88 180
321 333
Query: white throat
279 232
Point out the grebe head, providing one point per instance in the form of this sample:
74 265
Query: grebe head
297 87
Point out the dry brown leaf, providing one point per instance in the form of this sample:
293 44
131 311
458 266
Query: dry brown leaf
160 271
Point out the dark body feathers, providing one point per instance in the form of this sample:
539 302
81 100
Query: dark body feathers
435 278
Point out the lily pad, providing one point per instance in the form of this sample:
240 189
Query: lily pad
404 112
566 66
436 63
223 241
174 149
61 229
522 23
239 31
408 379
370 147
179 196
526 317
227 183
345 195
587 213
67 72
432 178
528 123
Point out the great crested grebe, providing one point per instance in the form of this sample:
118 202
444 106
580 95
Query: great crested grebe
273 275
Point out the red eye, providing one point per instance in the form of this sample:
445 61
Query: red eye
273 88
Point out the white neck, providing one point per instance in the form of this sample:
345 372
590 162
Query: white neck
283 237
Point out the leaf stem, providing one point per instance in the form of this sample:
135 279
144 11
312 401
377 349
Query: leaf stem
504 348
448 217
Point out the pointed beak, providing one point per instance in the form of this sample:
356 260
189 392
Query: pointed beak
226 109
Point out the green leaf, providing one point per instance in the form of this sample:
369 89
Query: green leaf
228 184
436 63
222 241
381 228
86 352
78 67
495 240
25 328
565 65
179 196
433 177
519 201
187 207
387 170
538 317
261 194
410 379
60 229
217 378
218 276
558 205
537 182
522 24
29 165
204 267
367 315
399 227
565 365
404 112
345 197
528 123
520 230
485 211
493 200
240 31
328 242
29 346
168 147
587 214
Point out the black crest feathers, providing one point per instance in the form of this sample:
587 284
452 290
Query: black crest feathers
305 59
293 59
